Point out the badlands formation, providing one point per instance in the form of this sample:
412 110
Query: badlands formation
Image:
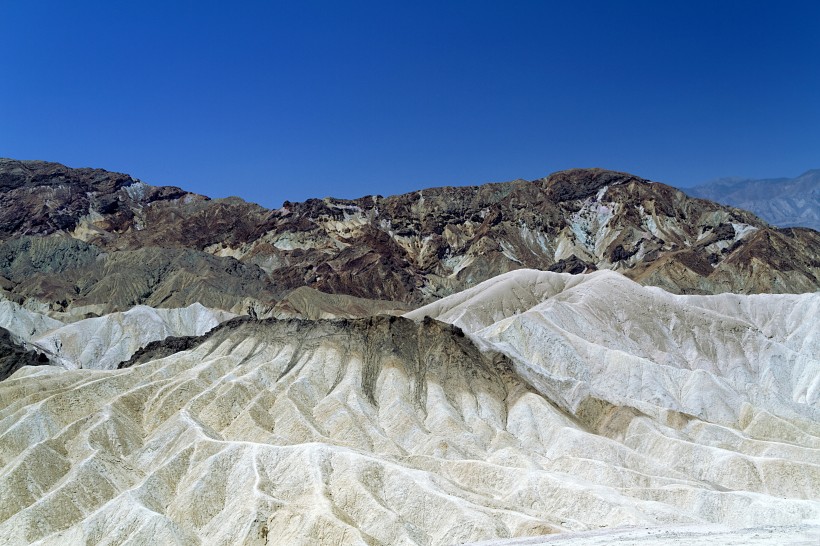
532 404
101 342
587 358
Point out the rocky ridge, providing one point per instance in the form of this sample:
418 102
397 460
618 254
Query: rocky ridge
14 355
82 241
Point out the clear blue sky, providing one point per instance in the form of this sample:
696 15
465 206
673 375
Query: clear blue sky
289 100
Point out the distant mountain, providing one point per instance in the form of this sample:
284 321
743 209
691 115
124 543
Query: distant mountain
85 242
784 202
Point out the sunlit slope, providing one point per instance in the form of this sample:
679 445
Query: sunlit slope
593 402
24 323
725 358
103 342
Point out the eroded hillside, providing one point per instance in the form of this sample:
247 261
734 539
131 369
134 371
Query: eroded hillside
88 241
552 403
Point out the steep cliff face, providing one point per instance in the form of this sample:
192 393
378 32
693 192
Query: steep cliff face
78 236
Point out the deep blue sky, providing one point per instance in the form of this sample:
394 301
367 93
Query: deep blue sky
275 100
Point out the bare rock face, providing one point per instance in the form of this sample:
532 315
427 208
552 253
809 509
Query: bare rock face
431 243
312 304
71 278
39 198
99 241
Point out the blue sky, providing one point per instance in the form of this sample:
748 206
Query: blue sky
289 100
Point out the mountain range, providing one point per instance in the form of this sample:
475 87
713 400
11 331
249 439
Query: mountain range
780 201
585 353
86 242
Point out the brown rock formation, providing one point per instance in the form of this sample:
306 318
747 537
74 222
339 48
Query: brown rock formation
114 240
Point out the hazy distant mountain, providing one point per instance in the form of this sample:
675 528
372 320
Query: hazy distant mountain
783 202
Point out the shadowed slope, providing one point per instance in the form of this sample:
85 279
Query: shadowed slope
14 355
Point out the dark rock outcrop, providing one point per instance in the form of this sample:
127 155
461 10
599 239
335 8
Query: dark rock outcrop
575 184
573 265
175 344
425 350
14 355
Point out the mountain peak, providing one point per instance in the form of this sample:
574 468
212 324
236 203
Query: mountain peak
810 172
16 174
580 183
